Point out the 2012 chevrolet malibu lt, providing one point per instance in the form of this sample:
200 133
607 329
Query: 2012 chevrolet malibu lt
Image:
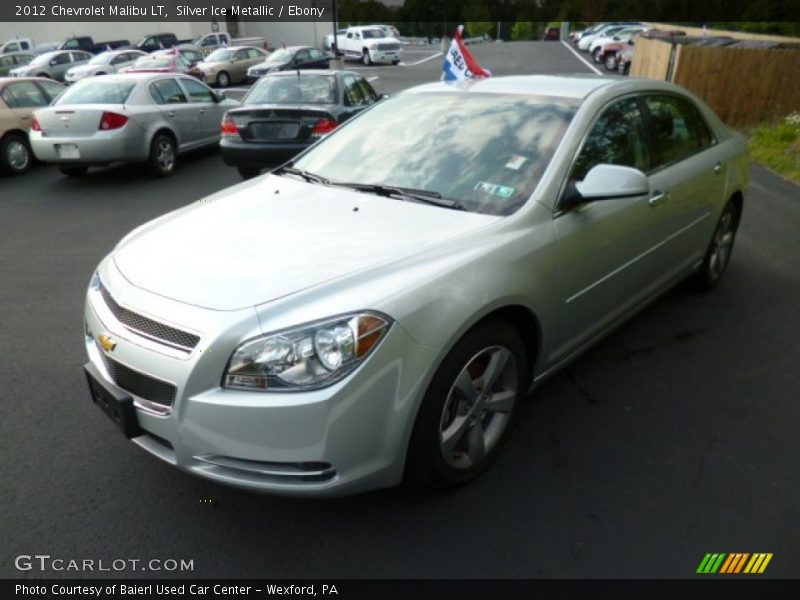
383 304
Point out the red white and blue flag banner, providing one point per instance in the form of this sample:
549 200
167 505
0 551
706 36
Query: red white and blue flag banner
459 64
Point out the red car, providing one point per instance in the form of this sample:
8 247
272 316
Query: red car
551 34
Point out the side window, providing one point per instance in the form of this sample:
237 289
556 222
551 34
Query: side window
197 91
167 91
6 60
366 89
617 138
61 59
315 54
119 59
209 41
349 35
12 47
302 56
52 89
73 43
353 96
240 55
678 129
24 94
253 53
25 46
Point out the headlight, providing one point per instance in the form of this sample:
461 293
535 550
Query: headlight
306 357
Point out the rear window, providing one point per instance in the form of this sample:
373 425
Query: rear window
97 92
314 89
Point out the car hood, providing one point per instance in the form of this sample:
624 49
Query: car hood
274 236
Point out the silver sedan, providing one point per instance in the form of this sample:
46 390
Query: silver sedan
130 118
384 303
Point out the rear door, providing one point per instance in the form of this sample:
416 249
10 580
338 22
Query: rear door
23 97
209 112
59 65
690 174
174 105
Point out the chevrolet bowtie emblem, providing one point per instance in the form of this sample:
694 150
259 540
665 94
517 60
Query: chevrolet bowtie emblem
106 343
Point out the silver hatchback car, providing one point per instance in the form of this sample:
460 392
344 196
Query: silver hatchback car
384 303
134 117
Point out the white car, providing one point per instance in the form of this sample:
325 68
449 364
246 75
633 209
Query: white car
370 44
622 35
103 64
384 303
608 31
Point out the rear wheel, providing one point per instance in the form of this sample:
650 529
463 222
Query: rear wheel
611 62
395 62
73 171
596 55
223 79
248 172
718 254
15 154
162 160
467 410
45 75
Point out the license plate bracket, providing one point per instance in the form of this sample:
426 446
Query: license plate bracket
68 151
115 403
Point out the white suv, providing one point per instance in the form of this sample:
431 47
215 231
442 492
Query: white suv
370 44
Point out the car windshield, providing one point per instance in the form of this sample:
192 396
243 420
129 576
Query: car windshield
153 62
98 91
102 59
221 55
485 151
307 89
279 56
42 59
372 33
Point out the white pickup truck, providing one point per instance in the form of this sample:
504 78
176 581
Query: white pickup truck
370 44
211 41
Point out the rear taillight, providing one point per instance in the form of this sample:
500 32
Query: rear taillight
323 127
35 124
111 120
228 128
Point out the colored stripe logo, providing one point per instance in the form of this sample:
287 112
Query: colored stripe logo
734 563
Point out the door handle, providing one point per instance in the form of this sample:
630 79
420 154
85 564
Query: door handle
658 198
718 168
171 113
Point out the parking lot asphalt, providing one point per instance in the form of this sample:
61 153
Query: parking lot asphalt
675 436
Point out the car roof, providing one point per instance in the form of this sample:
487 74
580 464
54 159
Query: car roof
6 80
576 86
306 72
145 76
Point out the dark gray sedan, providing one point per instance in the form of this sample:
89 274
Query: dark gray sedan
286 112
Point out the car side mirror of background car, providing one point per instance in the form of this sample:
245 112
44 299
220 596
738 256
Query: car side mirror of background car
609 182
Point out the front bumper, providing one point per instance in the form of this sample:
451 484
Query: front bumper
347 438
385 56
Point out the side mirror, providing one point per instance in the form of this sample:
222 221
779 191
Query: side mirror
605 182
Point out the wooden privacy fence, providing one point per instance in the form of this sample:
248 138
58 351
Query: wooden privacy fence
744 85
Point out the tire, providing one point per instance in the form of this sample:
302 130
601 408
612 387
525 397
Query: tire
45 75
73 171
719 251
163 156
15 154
456 436
248 172
611 62
626 68
223 79
596 55
365 58
100 73
395 62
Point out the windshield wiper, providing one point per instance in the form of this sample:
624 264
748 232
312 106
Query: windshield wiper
425 196
307 175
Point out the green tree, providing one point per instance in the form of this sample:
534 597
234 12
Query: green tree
522 30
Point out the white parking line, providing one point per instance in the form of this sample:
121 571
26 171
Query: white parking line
426 59
583 60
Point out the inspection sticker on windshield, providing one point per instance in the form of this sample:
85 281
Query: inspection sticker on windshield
502 191
515 162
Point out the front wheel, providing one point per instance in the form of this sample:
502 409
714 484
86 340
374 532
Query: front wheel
611 62
596 55
466 412
718 254
365 58
162 160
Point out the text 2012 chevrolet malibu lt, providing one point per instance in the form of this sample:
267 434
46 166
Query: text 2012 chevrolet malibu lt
383 304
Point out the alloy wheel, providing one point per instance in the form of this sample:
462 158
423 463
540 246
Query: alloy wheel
17 155
721 246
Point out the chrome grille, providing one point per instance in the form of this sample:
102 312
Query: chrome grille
388 46
148 327
139 384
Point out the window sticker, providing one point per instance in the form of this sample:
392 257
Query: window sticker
503 191
516 162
